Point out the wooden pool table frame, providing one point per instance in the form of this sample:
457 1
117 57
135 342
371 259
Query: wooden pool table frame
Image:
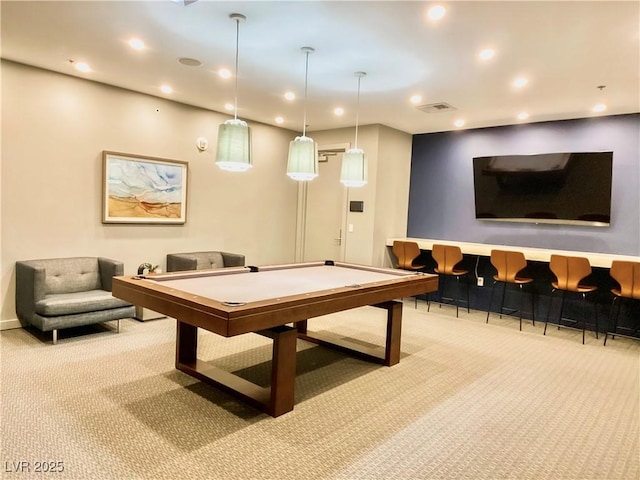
270 318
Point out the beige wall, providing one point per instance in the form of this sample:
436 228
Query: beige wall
392 191
55 128
386 195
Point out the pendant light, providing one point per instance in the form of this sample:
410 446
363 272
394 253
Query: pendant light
234 136
354 164
302 164
601 106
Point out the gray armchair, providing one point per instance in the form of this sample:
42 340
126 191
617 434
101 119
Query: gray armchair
203 260
67 292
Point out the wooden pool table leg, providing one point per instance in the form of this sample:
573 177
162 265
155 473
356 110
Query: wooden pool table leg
283 370
301 326
394 332
186 344
275 400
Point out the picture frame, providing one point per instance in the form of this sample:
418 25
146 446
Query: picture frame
139 189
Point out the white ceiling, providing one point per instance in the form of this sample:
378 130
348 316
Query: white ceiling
566 49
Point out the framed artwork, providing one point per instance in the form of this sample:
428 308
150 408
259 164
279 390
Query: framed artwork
148 190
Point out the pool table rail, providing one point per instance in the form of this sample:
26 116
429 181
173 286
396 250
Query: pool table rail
214 315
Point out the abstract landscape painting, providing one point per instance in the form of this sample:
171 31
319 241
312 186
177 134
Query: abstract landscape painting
143 189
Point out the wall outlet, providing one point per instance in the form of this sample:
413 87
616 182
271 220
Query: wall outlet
480 281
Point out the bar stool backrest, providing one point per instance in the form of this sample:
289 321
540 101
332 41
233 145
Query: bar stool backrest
508 264
406 252
398 251
447 257
627 274
569 271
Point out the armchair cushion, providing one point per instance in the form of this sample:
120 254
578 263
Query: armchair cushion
72 275
203 260
209 260
78 302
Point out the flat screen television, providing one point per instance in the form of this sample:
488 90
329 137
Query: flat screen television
562 188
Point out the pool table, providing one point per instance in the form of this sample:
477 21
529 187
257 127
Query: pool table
276 302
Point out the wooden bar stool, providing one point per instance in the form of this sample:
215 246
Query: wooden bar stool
508 264
627 274
570 271
447 257
407 252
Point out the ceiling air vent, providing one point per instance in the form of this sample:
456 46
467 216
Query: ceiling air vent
435 107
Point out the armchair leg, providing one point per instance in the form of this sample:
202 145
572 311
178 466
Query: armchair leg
55 336
118 326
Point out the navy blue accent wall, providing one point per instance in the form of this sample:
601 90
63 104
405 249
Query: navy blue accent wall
441 199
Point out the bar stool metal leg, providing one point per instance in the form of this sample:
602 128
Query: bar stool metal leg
548 311
521 305
613 319
493 287
504 291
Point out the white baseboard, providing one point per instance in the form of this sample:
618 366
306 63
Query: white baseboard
9 324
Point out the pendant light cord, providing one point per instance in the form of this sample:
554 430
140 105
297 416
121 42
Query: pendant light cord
359 75
306 76
357 110
235 105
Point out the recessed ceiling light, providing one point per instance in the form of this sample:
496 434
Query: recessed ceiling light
166 89
82 67
523 116
189 62
279 120
459 123
520 82
224 73
229 106
436 12
290 96
487 54
415 99
136 44
338 111
601 107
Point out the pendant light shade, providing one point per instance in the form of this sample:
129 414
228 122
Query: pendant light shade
234 136
302 164
234 146
354 164
354 168
303 159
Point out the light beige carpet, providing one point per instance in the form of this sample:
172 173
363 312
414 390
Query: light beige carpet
468 400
